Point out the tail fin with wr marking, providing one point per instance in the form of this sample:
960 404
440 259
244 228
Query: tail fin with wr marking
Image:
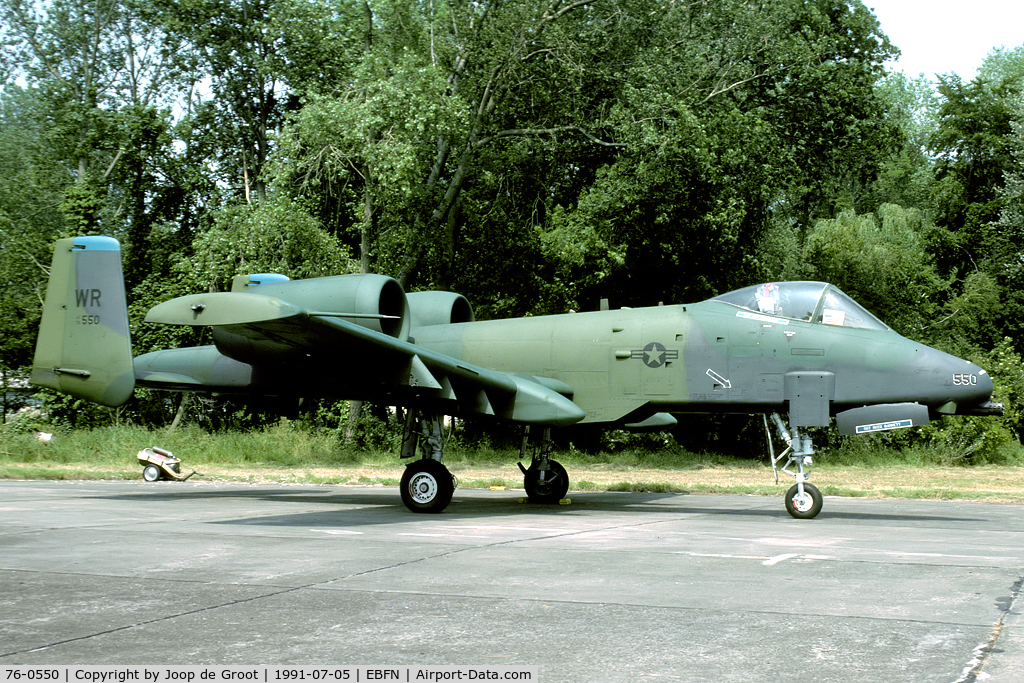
84 348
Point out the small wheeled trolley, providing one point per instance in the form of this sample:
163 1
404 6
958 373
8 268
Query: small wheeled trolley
158 464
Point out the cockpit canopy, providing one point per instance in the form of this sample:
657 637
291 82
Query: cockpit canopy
817 302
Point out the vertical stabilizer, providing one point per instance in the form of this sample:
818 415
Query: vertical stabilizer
84 348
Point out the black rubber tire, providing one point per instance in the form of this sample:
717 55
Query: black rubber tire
427 486
807 508
152 473
554 487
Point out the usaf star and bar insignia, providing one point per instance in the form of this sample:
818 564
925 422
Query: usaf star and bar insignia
654 355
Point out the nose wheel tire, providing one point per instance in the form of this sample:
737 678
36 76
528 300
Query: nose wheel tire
548 486
804 505
427 486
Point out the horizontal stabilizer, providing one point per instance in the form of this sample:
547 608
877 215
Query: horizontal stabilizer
881 418
221 308
352 325
189 368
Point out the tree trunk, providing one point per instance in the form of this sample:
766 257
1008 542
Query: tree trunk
180 413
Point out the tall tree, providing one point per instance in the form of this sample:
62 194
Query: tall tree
234 50
442 84
733 115
31 188
907 177
881 260
972 147
257 57
104 89
74 51
1009 231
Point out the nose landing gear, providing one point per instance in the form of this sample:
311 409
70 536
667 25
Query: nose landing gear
803 500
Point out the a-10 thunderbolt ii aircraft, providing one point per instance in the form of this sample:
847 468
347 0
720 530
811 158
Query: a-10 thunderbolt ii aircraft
799 348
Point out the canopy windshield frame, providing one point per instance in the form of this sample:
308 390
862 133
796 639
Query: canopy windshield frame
815 302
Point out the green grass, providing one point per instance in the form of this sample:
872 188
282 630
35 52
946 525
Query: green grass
280 445
285 445
289 453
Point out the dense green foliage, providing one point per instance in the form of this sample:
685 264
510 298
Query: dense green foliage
290 451
535 156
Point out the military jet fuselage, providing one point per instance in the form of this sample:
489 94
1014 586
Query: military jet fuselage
723 356
802 348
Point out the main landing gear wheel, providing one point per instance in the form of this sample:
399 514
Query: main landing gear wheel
804 505
151 473
546 486
427 486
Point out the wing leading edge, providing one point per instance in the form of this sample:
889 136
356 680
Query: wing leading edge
261 336
361 336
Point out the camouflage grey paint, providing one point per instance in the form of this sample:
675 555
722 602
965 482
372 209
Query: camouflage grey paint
84 348
361 337
714 357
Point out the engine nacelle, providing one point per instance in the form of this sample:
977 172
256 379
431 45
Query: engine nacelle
439 308
374 301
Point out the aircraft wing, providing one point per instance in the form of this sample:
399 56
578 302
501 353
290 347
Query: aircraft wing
261 330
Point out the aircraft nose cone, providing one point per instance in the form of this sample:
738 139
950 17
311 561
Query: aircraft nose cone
974 383
971 386
985 383
956 385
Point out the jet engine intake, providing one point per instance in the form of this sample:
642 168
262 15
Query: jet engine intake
439 308
369 300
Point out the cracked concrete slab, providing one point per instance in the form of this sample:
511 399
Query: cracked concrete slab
613 587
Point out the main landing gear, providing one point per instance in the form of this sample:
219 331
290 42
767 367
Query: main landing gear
803 500
545 481
428 486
